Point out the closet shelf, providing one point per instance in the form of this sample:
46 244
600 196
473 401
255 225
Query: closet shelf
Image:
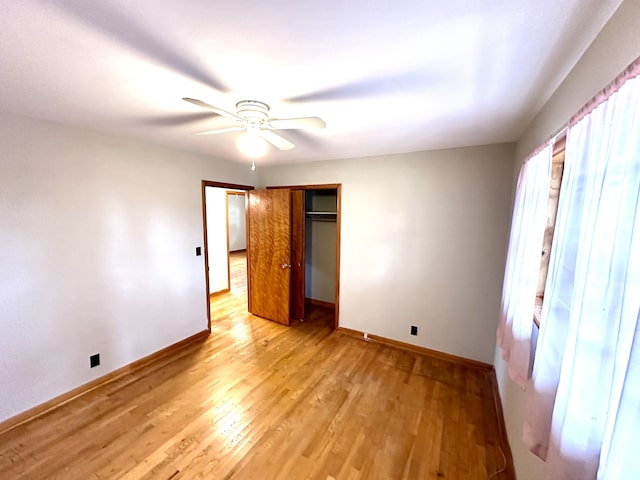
323 216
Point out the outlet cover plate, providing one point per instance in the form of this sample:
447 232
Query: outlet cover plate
94 360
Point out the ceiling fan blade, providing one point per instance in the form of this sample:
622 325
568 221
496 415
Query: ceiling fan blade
406 82
217 110
217 131
297 123
276 140
115 24
179 119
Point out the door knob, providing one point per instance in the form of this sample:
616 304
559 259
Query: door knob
286 265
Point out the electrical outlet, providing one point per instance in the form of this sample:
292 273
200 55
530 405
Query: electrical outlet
414 330
94 360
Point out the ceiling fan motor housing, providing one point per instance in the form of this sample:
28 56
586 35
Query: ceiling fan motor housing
253 110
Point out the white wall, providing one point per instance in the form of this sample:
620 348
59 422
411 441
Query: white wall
617 46
97 254
237 223
216 199
423 241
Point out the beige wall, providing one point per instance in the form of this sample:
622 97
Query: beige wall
98 238
615 47
423 240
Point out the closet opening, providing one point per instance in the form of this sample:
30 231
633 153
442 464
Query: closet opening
320 249
293 253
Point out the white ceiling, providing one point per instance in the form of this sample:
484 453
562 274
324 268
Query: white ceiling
387 77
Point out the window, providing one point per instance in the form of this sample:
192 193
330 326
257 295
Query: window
583 399
557 168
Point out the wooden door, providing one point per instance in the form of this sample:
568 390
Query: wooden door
269 251
297 254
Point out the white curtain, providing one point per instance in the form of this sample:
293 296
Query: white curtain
523 263
583 411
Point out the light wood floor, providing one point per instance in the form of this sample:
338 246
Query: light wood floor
257 400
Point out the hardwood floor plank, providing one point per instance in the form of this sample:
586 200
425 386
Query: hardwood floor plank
261 400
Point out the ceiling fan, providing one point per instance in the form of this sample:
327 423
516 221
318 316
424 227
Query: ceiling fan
253 117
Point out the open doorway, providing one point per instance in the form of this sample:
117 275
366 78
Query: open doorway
226 234
224 225
237 242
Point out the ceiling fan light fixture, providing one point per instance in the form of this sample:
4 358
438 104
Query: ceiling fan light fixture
252 144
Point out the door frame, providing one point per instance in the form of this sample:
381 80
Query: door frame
204 184
338 188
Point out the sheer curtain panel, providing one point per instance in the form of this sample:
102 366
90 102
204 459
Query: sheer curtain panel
584 407
523 263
